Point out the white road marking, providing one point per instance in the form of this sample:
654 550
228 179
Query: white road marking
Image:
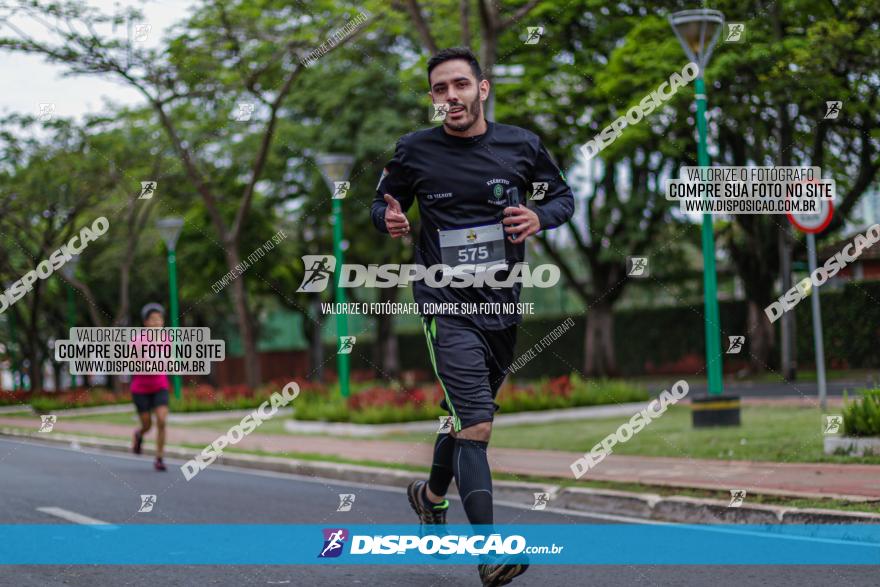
72 516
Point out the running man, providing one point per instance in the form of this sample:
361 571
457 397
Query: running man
467 176
150 394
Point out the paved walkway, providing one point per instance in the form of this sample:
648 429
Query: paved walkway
798 479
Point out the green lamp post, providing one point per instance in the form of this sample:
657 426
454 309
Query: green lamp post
335 168
698 31
170 229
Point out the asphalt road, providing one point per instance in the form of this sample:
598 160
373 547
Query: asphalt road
107 487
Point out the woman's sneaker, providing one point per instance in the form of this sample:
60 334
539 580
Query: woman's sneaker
137 442
429 513
159 465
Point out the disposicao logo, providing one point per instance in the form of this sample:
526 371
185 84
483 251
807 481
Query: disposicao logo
319 271
334 541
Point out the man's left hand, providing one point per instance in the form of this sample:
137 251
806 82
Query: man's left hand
520 222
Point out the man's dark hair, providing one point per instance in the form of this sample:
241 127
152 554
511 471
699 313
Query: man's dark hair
455 53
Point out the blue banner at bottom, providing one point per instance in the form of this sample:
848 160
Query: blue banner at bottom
587 544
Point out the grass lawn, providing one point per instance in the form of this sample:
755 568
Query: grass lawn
784 434
768 433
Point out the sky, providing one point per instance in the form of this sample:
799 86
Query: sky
33 81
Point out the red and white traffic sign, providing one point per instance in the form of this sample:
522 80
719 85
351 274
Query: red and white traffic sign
813 222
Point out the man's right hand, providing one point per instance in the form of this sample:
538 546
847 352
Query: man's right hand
395 219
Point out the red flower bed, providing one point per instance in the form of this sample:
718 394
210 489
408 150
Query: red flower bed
559 386
13 398
84 397
386 396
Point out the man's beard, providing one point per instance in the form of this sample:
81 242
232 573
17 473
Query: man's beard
474 109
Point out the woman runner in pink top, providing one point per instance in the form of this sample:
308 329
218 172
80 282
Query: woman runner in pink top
150 394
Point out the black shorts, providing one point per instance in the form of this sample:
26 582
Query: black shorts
471 364
147 402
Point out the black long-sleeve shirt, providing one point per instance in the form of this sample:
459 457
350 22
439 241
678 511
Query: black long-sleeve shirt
467 182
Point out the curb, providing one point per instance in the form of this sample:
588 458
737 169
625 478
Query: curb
648 506
120 408
20 409
214 415
608 501
851 445
715 511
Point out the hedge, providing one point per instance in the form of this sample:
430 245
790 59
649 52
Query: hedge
665 336
377 402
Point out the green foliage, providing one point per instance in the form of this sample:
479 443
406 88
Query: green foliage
851 326
544 394
647 339
862 417
582 392
48 402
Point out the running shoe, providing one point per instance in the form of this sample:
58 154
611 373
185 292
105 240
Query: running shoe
495 575
137 443
435 515
159 465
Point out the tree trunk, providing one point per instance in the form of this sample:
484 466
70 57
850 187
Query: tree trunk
245 325
761 341
788 353
316 346
386 353
488 51
761 336
34 354
599 356
487 61
56 373
35 369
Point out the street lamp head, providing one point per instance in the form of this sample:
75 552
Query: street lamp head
334 167
508 74
69 268
697 31
169 229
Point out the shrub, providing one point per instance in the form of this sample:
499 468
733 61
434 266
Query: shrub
567 391
14 398
862 417
194 398
380 403
206 398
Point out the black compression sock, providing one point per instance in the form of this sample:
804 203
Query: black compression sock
441 469
474 480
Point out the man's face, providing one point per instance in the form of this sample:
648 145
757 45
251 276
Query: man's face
453 83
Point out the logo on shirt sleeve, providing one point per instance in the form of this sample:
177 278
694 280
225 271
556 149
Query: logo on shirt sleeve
381 177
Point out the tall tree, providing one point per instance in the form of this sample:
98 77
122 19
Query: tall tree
230 53
771 111
491 20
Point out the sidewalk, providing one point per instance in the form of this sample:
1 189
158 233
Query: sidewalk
856 482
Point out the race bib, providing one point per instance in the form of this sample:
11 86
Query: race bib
478 246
